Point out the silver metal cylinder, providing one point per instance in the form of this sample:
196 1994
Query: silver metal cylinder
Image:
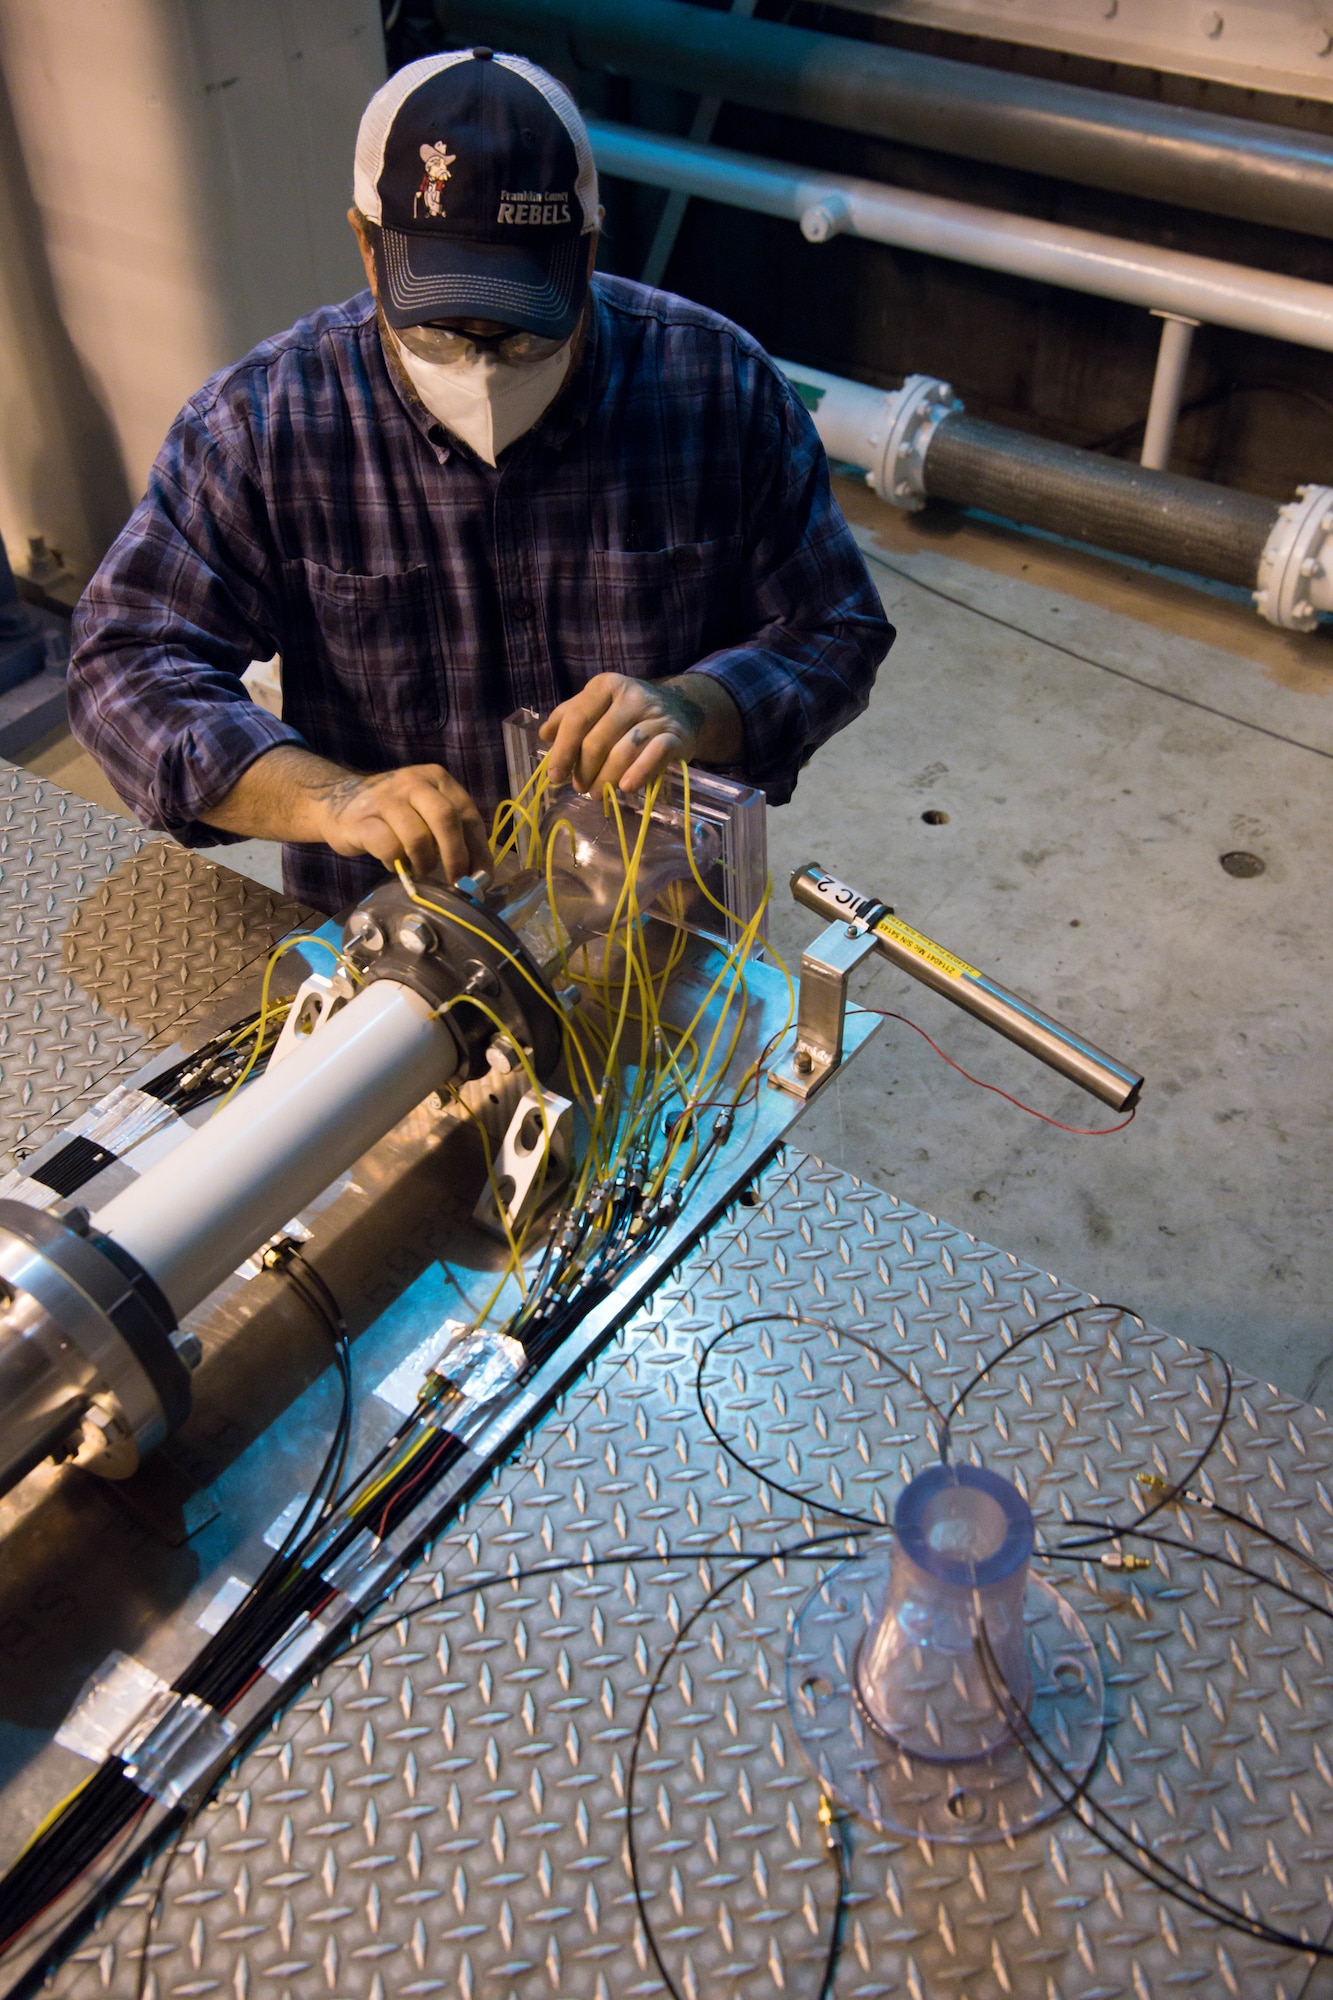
46 1384
191 1219
1091 1068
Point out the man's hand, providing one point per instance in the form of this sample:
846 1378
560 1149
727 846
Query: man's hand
418 815
621 731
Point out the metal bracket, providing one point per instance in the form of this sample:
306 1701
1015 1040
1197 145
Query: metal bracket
826 967
532 1165
319 995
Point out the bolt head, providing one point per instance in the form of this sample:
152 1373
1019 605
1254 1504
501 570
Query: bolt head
804 1061
417 935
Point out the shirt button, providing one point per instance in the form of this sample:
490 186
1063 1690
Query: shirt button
523 607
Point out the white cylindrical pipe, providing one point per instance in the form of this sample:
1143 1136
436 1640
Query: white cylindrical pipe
1168 382
192 1218
851 418
1109 267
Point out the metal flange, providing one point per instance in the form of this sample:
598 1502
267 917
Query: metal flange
454 951
914 414
91 1364
1294 583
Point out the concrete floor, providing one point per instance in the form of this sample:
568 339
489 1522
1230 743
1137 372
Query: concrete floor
1098 737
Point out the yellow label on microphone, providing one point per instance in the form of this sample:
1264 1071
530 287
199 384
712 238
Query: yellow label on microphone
925 948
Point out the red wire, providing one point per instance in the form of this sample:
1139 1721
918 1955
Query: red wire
1080 1131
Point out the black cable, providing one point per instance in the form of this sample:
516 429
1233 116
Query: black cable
747 1568
1159 1873
1068 1551
1108 1531
1086 659
1265 1534
812 1547
154 1910
835 1843
802 1500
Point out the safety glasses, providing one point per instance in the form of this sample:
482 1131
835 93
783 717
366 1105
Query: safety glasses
443 344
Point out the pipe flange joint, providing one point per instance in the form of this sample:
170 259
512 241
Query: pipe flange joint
914 415
1295 580
454 952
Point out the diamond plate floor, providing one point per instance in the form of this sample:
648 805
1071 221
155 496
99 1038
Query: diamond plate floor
109 937
445 1811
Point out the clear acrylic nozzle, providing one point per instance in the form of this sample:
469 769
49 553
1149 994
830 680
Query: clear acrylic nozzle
959 1567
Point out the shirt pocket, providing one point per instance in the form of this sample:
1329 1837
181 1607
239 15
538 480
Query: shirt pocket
369 644
660 610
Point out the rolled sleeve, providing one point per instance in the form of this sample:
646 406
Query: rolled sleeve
177 611
816 628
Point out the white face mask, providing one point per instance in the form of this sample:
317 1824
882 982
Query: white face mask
483 400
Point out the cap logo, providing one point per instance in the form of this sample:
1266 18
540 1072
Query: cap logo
529 205
438 160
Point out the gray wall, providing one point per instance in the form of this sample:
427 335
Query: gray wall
174 176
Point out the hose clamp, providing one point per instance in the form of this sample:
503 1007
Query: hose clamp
913 415
1295 581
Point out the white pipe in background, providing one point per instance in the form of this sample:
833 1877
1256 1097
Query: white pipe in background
1110 267
888 433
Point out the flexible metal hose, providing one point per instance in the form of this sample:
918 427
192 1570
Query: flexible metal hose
1157 516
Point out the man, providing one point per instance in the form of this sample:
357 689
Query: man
491 481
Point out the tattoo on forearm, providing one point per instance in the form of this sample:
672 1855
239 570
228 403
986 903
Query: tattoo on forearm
340 791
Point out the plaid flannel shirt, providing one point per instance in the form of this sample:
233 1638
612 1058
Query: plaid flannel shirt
670 510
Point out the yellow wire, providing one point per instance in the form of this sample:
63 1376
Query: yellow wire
266 1010
54 1815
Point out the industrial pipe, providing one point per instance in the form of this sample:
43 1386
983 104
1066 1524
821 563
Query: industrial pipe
1228 166
1109 267
1157 516
917 443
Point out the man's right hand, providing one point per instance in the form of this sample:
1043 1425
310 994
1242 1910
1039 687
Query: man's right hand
418 815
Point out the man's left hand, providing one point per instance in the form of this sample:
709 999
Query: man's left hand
624 732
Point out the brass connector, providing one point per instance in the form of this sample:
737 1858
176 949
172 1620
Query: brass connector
1114 1559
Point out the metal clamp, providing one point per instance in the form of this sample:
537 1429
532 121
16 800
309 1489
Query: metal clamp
825 970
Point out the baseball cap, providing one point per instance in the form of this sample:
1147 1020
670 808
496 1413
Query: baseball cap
478 170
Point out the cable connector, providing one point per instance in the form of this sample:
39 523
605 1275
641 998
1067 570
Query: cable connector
1116 1559
1156 1484
830 1819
